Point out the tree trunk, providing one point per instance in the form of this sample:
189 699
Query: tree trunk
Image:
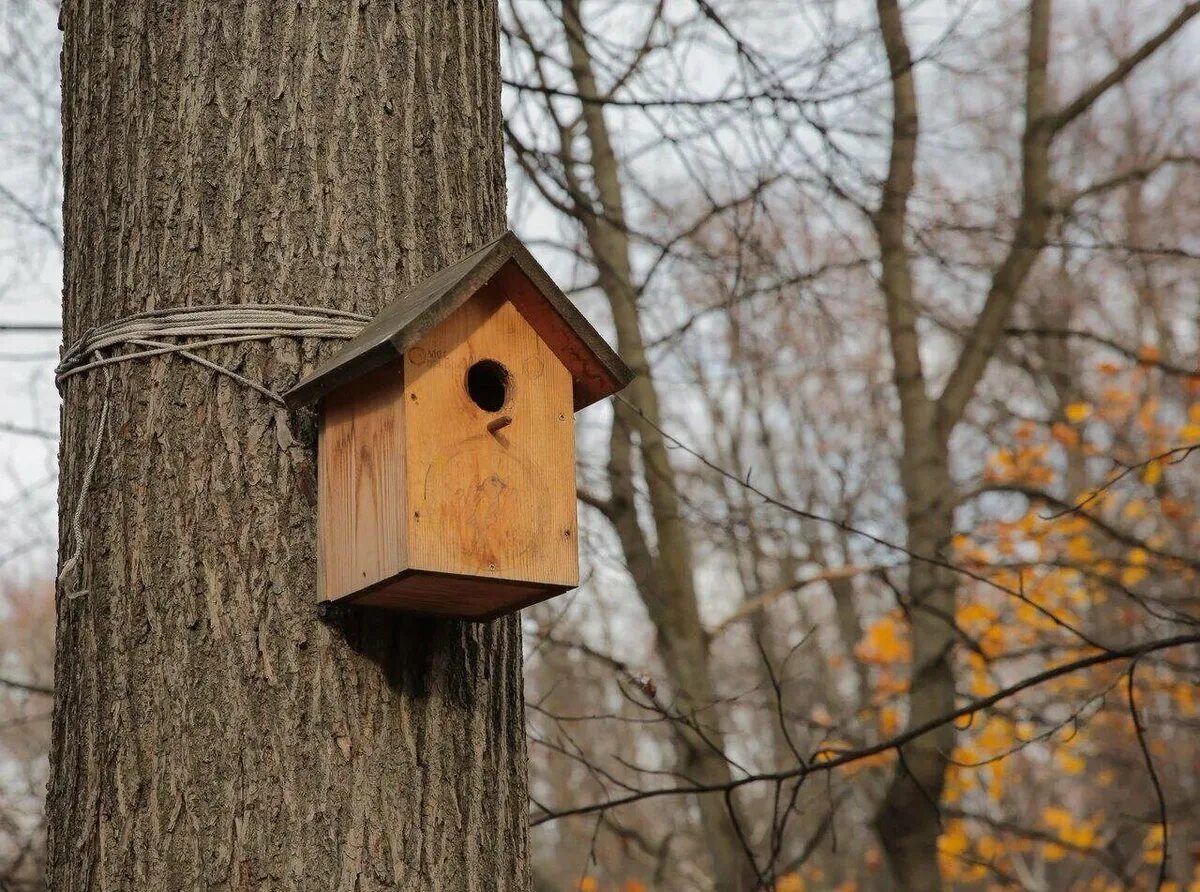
666 578
209 731
908 820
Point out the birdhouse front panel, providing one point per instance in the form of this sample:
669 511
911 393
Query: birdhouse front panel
448 477
491 449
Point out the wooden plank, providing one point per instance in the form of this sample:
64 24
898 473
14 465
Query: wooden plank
461 597
492 504
361 484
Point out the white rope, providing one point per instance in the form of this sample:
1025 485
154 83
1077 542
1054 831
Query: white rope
77 517
215 325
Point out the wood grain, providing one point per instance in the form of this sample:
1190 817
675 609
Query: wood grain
486 504
431 504
361 488
575 346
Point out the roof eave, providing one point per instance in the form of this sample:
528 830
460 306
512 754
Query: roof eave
597 370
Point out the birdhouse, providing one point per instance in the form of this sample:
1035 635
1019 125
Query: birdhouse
446 453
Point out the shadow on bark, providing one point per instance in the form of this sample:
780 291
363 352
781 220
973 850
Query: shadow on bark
416 652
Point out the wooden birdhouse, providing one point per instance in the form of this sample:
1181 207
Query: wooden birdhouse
446 458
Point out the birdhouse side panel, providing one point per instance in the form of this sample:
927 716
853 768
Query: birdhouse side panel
490 449
361 484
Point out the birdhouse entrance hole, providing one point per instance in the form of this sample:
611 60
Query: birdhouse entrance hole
487 384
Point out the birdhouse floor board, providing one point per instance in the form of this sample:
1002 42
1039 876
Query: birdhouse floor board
451 595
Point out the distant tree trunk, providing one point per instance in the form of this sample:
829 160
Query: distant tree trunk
665 576
908 820
209 731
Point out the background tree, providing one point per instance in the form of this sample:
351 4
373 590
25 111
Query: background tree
728 247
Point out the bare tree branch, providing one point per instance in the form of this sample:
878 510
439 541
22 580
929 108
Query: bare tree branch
1124 67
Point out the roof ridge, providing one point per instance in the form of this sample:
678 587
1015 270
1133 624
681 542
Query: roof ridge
596 369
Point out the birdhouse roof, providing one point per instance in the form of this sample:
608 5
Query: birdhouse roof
595 367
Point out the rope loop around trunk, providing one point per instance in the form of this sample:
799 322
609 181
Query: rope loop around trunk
180 331
154 333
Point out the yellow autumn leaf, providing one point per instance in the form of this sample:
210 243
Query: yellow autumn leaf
981 685
1131 576
889 721
975 613
790 882
1064 434
995 786
588 884
1071 763
1058 818
989 847
1053 852
1152 473
992 641
1184 695
997 736
1081 836
954 841
1077 412
1152 845
1135 509
1079 549
884 643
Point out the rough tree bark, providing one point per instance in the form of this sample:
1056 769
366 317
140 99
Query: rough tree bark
209 731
